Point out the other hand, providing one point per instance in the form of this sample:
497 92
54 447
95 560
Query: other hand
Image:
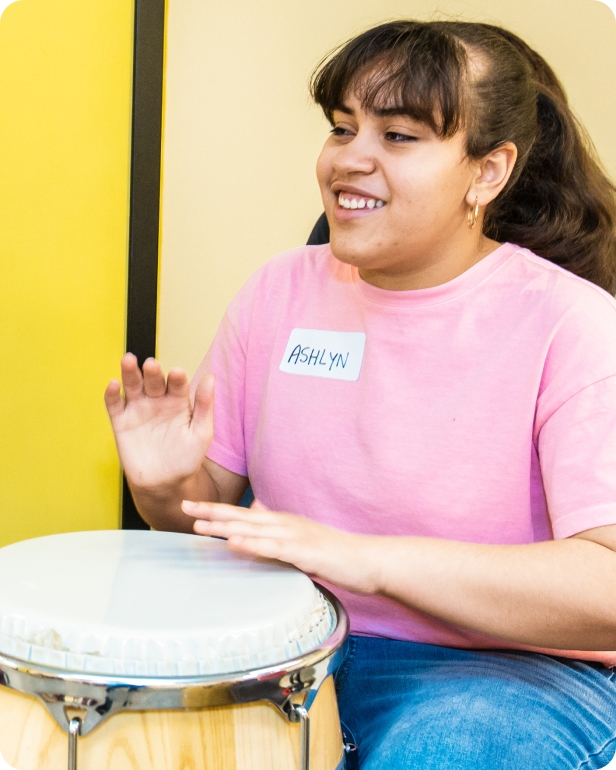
341 558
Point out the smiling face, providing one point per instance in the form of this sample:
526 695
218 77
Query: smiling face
397 197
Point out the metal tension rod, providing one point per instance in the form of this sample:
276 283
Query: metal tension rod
301 715
74 728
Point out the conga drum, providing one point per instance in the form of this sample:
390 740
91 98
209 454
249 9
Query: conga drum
160 651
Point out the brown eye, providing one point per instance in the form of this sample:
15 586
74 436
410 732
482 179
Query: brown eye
339 131
398 138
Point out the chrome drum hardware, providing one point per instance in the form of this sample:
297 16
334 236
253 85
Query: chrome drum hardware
80 702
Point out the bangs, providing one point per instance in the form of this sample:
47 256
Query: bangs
405 67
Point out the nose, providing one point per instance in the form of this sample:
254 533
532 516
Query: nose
357 156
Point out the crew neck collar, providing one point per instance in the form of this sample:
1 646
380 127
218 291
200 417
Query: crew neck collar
435 294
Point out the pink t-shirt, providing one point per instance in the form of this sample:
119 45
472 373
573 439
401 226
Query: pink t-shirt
482 410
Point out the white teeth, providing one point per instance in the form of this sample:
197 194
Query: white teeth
362 203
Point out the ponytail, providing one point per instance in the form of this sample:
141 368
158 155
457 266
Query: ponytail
563 205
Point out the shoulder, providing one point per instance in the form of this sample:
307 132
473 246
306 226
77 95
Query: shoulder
558 289
288 276
574 316
314 263
304 266
575 323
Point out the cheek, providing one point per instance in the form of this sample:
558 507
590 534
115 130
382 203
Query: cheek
410 192
324 167
431 189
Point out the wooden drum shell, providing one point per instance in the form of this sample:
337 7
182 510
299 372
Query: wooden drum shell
252 736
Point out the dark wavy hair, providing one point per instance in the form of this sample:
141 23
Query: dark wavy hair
487 81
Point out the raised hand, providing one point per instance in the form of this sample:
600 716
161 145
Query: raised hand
161 438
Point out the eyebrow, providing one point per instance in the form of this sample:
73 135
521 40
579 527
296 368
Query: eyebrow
380 112
345 109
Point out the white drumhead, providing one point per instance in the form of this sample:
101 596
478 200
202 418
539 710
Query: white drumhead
153 604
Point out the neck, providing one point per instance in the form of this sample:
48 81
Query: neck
439 267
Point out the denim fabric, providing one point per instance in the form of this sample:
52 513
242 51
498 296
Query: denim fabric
416 706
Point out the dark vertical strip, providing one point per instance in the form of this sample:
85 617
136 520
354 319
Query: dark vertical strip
144 196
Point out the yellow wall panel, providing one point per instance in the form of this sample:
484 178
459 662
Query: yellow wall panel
65 102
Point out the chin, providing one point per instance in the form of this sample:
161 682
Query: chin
349 251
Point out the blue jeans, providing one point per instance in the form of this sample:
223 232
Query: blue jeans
415 706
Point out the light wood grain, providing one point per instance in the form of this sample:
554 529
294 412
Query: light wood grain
248 737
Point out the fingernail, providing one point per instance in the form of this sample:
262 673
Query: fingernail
189 505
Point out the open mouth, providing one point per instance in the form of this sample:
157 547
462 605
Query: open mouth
353 201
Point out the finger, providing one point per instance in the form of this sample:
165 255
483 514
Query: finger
113 399
224 512
202 419
257 506
177 383
203 409
215 511
229 529
153 379
131 377
266 547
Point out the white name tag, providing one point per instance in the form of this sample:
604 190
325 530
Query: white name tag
316 353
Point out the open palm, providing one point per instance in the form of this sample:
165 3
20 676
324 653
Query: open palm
161 437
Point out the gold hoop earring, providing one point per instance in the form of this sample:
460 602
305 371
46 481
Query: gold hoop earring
473 213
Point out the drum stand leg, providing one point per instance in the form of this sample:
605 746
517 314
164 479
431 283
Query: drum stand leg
74 728
300 714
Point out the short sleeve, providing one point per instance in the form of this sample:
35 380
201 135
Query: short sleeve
577 453
236 360
226 361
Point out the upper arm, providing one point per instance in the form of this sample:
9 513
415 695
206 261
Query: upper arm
577 453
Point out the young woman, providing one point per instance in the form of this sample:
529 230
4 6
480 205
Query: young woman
426 408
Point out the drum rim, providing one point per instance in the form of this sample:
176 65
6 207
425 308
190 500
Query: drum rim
276 683
333 642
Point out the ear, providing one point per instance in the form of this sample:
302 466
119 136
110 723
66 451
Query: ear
493 172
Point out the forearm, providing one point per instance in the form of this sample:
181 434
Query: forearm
557 594
160 506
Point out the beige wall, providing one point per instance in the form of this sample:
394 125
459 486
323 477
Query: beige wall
241 137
